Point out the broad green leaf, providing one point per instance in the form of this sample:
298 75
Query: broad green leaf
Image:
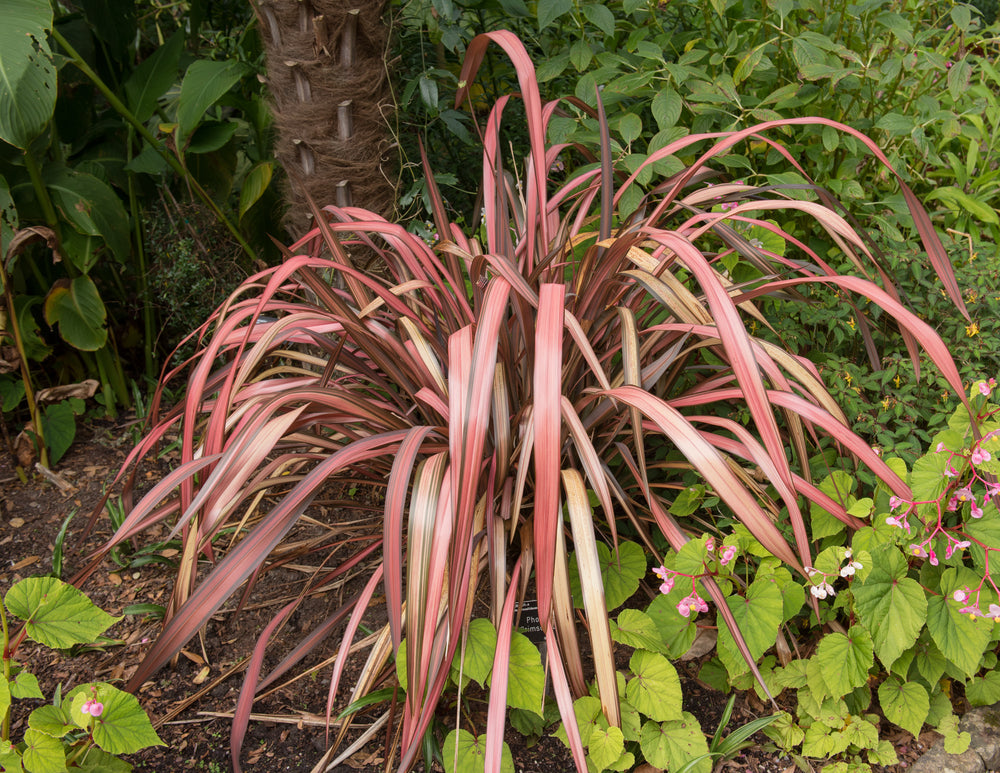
630 127
620 580
151 79
526 680
43 753
838 486
954 741
205 82
904 703
469 752
59 426
76 307
637 629
676 633
98 761
550 10
757 617
580 55
987 531
123 727
784 731
654 689
666 107
983 690
480 647
587 711
28 80
845 660
57 614
10 758
931 664
891 605
961 639
884 754
606 745
25 685
670 745
861 733
601 17
211 135
92 207
51 720
255 184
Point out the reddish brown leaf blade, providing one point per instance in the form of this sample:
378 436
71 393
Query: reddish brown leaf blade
547 415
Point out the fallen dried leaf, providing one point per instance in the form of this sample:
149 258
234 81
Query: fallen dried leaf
202 675
17 523
24 562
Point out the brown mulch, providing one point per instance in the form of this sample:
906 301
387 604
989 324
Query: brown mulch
188 702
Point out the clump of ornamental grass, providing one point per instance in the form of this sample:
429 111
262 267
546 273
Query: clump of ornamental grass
509 388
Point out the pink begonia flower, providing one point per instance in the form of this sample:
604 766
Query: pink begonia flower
727 554
662 572
710 544
993 612
667 585
693 603
899 521
954 547
940 448
976 511
822 590
668 579
894 502
991 491
952 504
979 456
985 387
965 495
93 707
851 568
961 595
971 610
932 557
950 471
918 551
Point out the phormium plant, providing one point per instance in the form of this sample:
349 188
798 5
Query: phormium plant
555 377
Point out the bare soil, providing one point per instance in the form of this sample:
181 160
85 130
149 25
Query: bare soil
189 703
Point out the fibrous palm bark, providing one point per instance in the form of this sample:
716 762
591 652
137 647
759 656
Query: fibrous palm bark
327 76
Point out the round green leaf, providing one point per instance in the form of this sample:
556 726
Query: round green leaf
526 677
469 752
890 604
985 690
654 688
123 727
480 647
606 745
904 703
621 573
51 720
57 614
43 753
637 629
669 745
677 633
961 639
845 660
757 617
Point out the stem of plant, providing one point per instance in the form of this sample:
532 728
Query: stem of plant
174 164
5 733
29 391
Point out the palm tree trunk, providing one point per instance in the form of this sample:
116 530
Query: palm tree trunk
331 100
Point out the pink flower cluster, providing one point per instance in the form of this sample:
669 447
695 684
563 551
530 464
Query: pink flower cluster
93 707
693 603
964 595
